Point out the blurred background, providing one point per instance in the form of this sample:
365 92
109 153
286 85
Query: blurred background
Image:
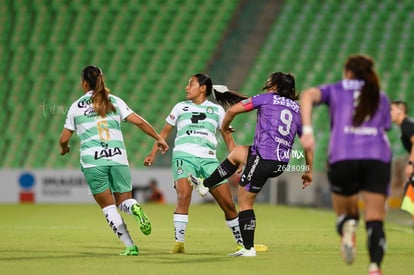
149 48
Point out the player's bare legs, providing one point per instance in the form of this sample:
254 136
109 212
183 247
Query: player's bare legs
184 191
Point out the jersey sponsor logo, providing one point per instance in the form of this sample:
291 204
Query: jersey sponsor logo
87 103
283 154
84 103
283 141
90 112
186 108
284 101
108 153
194 132
197 117
362 130
352 84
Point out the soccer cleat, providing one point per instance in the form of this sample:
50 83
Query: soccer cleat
130 251
374 269
348 241
243 252
198 185
142 218
257 247
239 246
178 248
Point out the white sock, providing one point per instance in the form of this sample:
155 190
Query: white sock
117 224
180 224
126 205
234 227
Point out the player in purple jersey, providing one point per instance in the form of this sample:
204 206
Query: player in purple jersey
359 152
278 122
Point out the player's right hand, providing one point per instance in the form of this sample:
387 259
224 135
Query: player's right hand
306 179
148 160
63 151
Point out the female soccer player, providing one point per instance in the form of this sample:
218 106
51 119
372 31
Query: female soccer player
197 120
96 117
278 122
359 152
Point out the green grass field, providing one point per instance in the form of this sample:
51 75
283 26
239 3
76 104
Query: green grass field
75 239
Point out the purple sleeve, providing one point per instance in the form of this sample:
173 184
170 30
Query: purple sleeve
325 93
257 100
387 111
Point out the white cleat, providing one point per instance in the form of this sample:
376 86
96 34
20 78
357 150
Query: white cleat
198 185
348 241
243 252
373 269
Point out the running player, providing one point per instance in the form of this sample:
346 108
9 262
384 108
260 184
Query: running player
359 152
96 117
278 122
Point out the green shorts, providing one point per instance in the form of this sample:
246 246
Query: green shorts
199 167
117 178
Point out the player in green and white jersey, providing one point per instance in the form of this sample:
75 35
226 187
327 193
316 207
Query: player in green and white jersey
96 117
197 121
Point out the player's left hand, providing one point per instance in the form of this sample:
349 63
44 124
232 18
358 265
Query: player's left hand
63 151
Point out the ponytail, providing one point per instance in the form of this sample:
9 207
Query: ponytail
226 97
100 96
362 68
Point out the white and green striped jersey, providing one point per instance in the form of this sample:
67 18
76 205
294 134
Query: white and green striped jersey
101 139
197 127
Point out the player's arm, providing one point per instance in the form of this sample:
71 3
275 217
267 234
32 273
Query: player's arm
409 169
64 141
164 134
229 140
241 107
147 128
308 98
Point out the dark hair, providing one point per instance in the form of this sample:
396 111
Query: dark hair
227 97
362 68
100 97
204 79
284 84
400 104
